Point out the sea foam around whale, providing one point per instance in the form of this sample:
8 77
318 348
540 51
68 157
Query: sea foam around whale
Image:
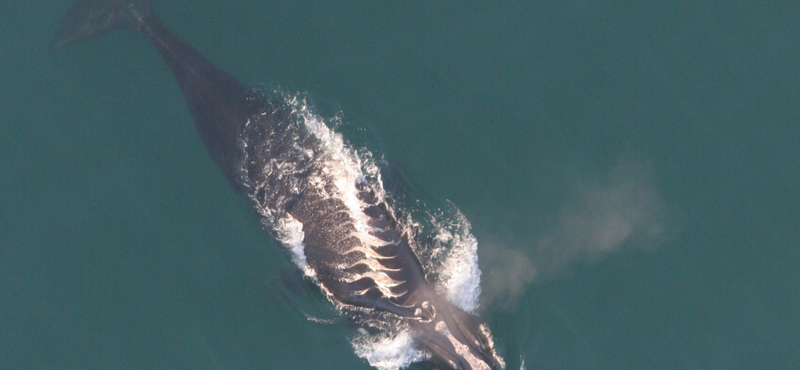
453 251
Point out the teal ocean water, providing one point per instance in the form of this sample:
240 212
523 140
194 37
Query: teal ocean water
629 169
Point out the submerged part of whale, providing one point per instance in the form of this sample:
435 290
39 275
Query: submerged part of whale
312 192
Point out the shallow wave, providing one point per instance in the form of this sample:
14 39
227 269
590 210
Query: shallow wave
290 234
389 352
460 275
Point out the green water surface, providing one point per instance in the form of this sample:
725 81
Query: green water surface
630 169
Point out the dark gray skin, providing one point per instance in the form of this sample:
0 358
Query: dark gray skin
375 278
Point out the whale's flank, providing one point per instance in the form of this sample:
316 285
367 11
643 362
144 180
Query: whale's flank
312 192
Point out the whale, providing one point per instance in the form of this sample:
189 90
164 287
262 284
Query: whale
335 224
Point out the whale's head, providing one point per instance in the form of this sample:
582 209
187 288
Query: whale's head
453 339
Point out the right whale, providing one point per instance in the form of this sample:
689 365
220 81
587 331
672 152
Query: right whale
312 193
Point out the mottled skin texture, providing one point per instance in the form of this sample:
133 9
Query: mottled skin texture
372 275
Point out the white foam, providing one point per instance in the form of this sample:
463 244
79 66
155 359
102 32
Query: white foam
460 274
290 234
342 163
388 352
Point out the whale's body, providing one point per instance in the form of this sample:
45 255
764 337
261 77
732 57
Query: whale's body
309 194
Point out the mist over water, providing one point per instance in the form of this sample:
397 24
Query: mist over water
620 210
